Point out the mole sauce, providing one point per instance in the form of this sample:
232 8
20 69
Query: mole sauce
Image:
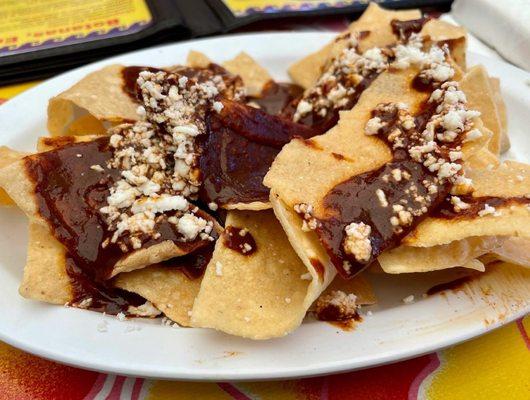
275 97
355 200
69 195
241 144
404 29
193 264
239 240
446 209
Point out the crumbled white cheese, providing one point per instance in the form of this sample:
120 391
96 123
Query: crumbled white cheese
357 241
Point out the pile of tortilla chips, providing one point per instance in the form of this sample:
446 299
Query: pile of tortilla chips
268 293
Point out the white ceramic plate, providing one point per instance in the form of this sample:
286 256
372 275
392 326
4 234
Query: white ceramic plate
395 331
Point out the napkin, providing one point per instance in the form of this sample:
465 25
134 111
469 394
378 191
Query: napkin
503 25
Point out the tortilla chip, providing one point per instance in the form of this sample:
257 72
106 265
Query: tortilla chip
510 179
45 277
168 289
439 30
515 251
254 76
482 159
196 59
359 286
8 156
305 171
375 19
47 143
259 296
480 96
99 94
21 189
503 116
252 206
460 253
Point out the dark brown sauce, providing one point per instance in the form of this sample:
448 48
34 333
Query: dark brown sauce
58 141
103 297
404 29
452 285
241 144
275 96
194 264
355 200
321 124
347 325
332 313
235 240
477 204
69 195
130 76
422 84
319 268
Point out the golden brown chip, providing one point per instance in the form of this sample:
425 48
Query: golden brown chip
196 59
18 185
510 179
456 36
100 94
375 19
168 289
254 76
259 296
501 108
460 253
480 96
8 156
45 277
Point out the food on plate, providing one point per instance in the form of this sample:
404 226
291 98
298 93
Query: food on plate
216 197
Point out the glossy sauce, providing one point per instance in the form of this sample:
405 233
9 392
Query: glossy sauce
355 200
241 144
404 29
321 124
234 239
477 204
69 195
194 264
276 96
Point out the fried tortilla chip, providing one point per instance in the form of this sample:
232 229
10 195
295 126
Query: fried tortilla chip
262 295
480 96
501 108
45 277
8 156
168 289
455 36
99 94
375 19
15 181
510 179
196 59
254 76
305 171
515 251
460 253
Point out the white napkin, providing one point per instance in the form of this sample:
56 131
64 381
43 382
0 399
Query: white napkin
502 24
